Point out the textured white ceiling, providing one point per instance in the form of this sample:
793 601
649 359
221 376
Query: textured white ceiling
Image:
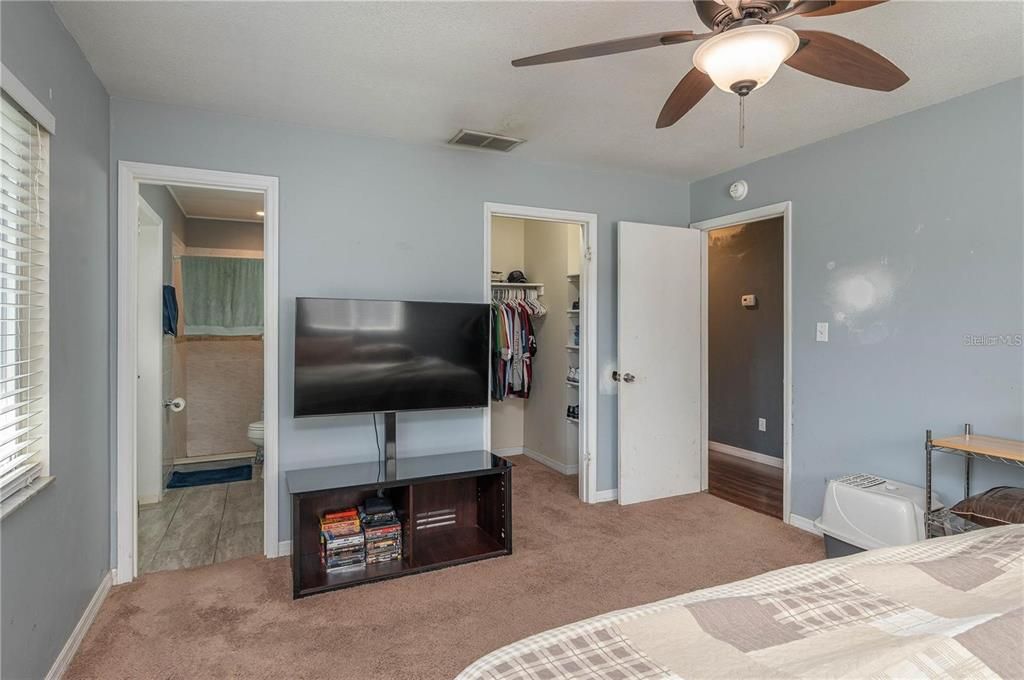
420 71
218 204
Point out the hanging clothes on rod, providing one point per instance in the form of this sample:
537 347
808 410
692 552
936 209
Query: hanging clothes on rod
515 343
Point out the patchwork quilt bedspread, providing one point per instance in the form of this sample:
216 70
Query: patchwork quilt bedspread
944 608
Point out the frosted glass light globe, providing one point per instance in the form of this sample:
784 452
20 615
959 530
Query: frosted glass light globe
749 53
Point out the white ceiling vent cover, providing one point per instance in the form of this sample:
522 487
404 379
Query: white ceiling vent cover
485 140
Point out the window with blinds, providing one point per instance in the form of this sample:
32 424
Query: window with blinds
24 299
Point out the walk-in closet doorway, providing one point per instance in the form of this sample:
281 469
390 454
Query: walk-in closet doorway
540 275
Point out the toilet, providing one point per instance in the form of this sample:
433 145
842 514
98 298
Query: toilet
254 433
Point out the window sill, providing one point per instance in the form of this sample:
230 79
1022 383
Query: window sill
19 499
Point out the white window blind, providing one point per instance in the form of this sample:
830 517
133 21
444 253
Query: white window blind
24 298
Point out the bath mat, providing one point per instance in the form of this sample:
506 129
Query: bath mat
239 473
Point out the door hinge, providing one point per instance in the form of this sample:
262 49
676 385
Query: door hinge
587 254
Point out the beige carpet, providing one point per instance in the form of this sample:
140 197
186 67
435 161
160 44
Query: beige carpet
570 561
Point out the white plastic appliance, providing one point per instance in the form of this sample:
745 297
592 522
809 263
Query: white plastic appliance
865 512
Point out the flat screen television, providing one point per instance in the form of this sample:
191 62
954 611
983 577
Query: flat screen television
364 356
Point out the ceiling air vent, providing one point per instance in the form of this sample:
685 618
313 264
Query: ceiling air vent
485 140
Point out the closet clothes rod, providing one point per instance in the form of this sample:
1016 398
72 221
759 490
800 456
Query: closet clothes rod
503 294
538 287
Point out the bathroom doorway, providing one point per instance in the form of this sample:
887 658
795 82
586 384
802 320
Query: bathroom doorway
201 498
193 485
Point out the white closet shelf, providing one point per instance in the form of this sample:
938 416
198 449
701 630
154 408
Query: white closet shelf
571 383
539 287
574 348
573 420
572 276
572 311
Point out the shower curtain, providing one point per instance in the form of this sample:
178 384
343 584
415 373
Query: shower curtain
223 295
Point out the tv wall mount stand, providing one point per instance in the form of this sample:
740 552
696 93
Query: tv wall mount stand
390 447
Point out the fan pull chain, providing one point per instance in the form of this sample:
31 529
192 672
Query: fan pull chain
743 123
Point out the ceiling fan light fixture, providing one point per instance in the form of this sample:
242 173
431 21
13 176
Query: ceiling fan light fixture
743 59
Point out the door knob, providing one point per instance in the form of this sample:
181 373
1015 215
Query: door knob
628 378
176 405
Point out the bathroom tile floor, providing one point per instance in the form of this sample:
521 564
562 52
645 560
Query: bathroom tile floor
201 525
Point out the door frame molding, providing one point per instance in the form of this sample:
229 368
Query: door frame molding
785 211
130 176
589 453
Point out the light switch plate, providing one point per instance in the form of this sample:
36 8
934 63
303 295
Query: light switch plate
821 334
762 424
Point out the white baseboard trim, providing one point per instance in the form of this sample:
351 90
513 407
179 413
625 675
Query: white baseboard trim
284 548
564 468
63 660
606 495
804 523
504 453
744 453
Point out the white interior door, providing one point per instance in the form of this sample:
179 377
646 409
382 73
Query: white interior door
659 361
150 411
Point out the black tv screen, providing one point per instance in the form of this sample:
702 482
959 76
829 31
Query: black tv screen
362 356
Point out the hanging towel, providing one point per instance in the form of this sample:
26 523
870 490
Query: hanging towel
223 295
170 311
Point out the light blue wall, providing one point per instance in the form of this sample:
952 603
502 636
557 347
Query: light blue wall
929 205
56 547
380 219
163 204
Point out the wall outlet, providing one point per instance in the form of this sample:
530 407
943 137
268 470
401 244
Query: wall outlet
762 424
821 333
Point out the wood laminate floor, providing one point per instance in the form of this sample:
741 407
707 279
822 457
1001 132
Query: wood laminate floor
753 485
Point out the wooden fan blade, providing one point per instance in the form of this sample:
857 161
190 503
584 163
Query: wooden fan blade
600 49
839 59
690 90
843 6
802 7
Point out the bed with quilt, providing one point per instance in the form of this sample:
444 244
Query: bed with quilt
943 608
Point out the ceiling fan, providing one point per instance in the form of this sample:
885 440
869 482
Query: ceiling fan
745 47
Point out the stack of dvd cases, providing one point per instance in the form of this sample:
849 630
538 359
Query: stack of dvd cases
342 541
383 531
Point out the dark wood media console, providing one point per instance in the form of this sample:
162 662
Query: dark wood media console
454 508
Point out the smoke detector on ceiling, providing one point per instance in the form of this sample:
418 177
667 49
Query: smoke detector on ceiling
485 140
